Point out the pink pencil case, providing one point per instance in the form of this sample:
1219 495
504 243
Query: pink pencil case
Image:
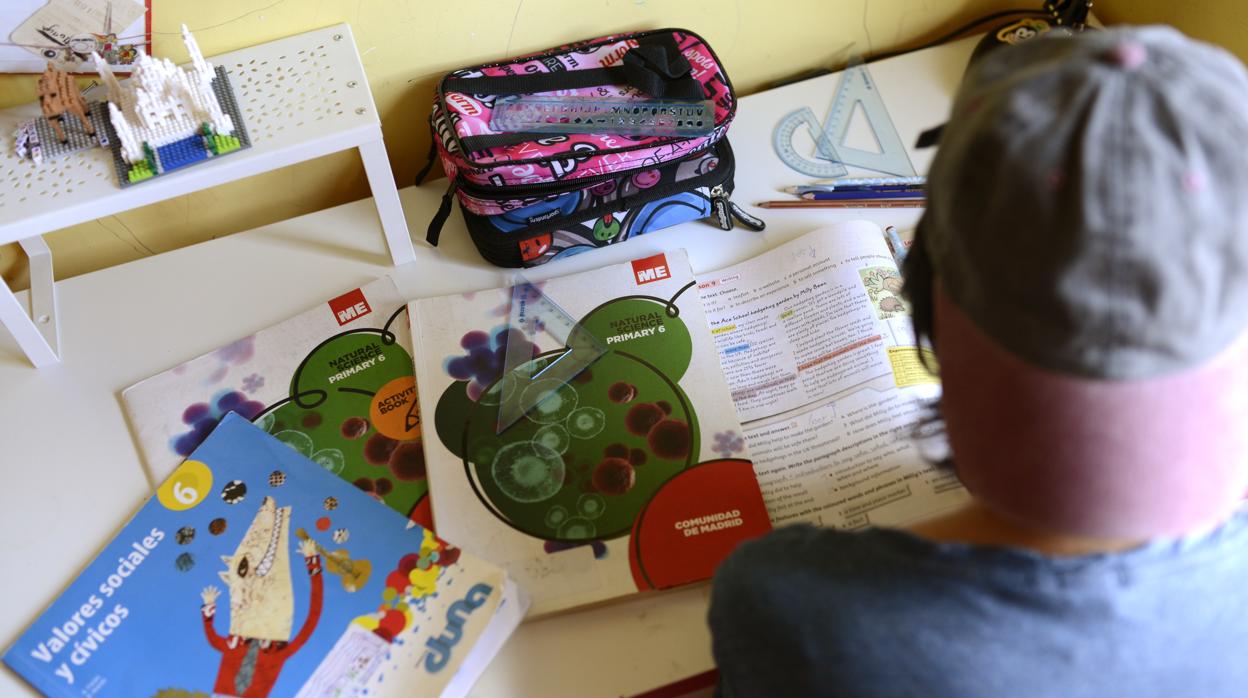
497 173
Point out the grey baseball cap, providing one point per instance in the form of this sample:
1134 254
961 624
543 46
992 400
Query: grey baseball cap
1088 206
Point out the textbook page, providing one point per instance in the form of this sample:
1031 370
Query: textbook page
816 342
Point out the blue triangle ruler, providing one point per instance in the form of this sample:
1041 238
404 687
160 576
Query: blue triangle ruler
857 90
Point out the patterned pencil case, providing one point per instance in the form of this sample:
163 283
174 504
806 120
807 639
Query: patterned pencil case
613 210
518 189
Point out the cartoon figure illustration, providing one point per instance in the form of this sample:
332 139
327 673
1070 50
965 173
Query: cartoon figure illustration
354 573
257 577
606 228
883 287
891 304
1022 30
126 53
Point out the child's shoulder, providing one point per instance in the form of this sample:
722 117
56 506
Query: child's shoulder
886 561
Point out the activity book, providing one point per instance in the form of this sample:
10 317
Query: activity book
334 383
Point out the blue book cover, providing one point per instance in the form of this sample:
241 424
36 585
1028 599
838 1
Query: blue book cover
254 571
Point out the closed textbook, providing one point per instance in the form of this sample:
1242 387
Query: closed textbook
254 571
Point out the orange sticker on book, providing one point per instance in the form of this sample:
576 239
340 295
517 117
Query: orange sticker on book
395 411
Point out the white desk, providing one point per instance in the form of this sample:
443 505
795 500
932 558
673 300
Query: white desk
72 475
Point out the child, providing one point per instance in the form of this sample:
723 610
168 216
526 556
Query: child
1082 270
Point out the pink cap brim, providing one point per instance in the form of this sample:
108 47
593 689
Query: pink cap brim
1074 455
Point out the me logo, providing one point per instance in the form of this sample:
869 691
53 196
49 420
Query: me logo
350 306
651 269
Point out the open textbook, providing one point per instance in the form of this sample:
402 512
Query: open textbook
623 473
253 571
816 343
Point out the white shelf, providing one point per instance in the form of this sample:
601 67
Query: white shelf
302 97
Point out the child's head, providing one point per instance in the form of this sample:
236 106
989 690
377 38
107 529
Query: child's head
1082 268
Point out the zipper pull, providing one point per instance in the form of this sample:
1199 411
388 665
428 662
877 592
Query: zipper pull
721 208
752 222
444 212
726 213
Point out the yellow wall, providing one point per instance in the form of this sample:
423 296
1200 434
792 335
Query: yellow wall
407 44
1223 22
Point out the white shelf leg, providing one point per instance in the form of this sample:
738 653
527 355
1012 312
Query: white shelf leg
37 333
386 196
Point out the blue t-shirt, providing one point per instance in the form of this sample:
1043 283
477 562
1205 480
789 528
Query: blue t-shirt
818 612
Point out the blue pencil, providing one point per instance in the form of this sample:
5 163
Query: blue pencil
859 182
863 194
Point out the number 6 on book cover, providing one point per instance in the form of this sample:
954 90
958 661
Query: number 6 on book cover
626 474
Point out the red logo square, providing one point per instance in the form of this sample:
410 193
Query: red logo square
350 306
651 269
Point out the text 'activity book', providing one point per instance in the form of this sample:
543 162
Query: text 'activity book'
604 479
334 383
254 571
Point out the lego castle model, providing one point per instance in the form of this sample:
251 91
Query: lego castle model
162 118
165 116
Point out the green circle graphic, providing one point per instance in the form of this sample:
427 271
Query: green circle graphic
574 509
336 382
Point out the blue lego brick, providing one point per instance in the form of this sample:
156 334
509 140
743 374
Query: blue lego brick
177 154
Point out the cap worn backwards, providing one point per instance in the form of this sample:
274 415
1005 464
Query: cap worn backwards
1087 209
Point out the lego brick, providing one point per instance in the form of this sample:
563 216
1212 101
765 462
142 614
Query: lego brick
50 147
225 95
187 151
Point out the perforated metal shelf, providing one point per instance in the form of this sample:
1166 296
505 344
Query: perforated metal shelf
302 97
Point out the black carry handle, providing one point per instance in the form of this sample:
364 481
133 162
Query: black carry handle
655 66
430 158
439 219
